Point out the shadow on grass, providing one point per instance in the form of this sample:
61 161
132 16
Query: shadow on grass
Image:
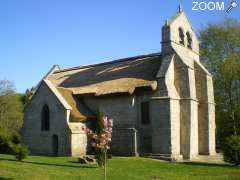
76 162
209 164
48 164
3 178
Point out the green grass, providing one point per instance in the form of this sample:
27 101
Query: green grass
119 168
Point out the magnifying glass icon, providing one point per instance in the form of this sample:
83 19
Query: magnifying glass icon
232 5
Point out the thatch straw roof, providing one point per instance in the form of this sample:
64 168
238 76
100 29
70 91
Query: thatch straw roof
119 76
79 112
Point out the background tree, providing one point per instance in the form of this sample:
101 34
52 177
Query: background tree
11 118
11 107
220 52
27 95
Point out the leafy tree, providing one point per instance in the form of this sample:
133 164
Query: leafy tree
11 107
230 71
27 95
11 115
231 150
20 151
220 52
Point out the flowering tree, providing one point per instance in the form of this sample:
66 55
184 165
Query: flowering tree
100 140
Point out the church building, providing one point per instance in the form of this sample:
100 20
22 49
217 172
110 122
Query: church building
160 103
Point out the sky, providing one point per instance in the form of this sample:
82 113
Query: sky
35 35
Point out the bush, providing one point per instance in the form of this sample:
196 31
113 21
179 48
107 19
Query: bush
15 138
5 141
10 143
7 138
20 151
231 150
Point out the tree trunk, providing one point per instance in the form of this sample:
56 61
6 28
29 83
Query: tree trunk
105 165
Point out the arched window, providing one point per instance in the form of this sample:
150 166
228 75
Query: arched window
45 118
189 40
181 36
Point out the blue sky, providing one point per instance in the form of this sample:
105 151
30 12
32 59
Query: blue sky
34 35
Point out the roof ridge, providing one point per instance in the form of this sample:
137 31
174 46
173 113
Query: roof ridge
109 62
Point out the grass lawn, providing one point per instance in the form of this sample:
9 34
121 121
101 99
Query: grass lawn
119 168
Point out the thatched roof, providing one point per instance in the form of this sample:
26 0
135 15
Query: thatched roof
119 76
79 111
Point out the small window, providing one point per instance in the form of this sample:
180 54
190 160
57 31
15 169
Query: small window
45 118
189 40
181 36
145 113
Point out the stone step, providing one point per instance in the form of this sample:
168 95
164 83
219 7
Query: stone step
217 158
156 154
166 157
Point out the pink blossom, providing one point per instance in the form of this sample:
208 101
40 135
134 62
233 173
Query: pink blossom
101 141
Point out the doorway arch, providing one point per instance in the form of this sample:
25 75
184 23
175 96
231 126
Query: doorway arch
55 144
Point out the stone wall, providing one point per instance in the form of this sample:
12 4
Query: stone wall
41 142
145 135
206 114
130 136
78 139
122 109
161 126
166 129
186 87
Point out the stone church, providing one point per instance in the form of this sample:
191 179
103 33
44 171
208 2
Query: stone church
160 103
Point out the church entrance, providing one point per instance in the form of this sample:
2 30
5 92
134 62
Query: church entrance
55 144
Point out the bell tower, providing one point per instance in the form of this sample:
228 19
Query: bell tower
189 87
178 35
